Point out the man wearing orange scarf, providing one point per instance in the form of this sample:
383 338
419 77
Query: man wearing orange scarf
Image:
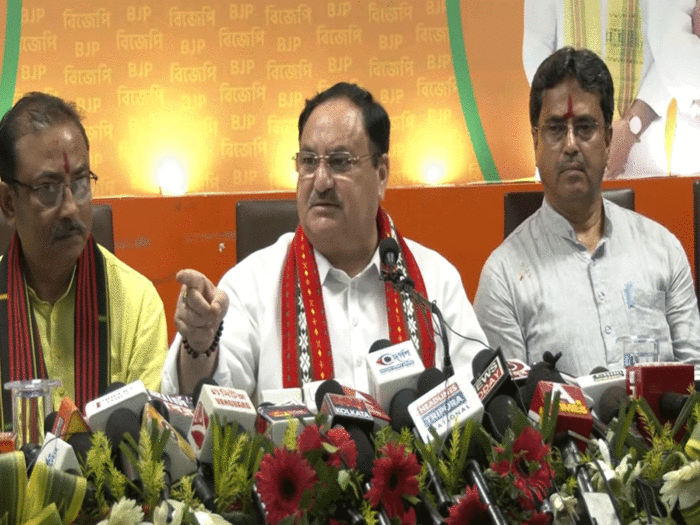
69 309
310 306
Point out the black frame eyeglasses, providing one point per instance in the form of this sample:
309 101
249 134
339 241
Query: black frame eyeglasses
51 194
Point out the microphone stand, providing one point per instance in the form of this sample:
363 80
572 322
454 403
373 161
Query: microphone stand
406 285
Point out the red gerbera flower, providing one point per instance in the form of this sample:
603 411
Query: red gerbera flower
340 438
538 518
282 480
469 508
309 439
408 517
392 477
312 439
529 446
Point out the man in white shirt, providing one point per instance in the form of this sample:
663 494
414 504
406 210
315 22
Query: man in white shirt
310 306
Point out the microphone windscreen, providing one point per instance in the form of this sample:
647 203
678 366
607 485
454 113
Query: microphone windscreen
379 345
429 379
481 361
49 421
671 404
327 387
121 422
389 251
542 371
198 388
598 370
160 407
112 387
81 443
610 402
398 410
498 411
365 451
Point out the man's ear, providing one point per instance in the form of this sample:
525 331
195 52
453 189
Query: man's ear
7 202
383 172
535 137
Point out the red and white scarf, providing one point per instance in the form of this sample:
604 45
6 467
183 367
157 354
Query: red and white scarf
306 347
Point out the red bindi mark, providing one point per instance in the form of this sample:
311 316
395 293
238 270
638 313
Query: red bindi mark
65 163
570 113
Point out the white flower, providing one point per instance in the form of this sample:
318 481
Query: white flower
124 512
160 514
682 486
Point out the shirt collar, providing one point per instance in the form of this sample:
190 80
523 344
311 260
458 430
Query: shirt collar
558 225
45 304
326 269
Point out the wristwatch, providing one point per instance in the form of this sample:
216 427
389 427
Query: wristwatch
635 124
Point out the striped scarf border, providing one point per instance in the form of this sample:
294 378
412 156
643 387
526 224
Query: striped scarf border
21 355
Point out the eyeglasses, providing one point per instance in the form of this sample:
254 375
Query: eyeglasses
51 194
555 132
338 163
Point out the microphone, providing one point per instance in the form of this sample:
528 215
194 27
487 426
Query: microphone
596 385
330 386
8 442
379 344
132 397
226 404
519 371
58 454
545 370
279 396
388 253
401 418
610 401
392 368
179 409
69 421
652 380
183 461
274 419
429 379
123 421
439 408
492 377
574 415
198 389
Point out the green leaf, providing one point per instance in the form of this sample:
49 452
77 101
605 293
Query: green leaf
48 516
51 486
13 483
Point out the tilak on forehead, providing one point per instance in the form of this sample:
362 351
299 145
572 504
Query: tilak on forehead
66 167
570 113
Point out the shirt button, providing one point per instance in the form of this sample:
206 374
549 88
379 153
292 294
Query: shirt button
601 296
359 362
608 330
354 321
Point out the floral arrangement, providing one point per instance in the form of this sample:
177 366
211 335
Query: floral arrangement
654 474
321 475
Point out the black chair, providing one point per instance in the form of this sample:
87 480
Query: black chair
259 223
696 222
102 228
519 205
